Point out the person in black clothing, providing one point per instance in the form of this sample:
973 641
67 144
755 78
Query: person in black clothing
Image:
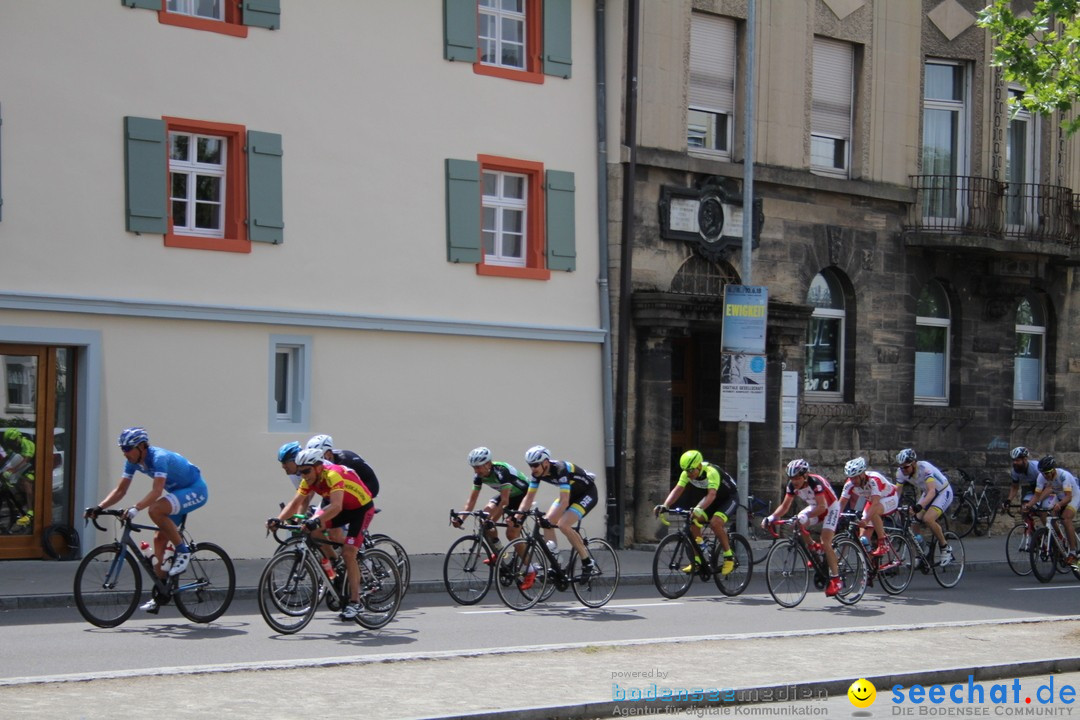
347 458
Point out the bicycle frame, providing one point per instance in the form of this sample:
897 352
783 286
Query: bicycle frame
165 586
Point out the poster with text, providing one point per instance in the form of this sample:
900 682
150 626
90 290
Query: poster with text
742 387
745 317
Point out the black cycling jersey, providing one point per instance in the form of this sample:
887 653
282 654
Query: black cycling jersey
565 473
351 460
503 474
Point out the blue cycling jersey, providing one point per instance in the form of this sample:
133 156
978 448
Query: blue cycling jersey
174 467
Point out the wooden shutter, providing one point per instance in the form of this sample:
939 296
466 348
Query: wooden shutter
557 37
831 110
559 209
265 218
463 210
712 63
146 165
262 13
459 30
143 4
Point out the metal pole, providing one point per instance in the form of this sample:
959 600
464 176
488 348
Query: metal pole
743 478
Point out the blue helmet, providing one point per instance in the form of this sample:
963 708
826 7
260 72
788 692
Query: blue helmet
132 436
288 451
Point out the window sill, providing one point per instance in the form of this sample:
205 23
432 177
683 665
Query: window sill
190 242
508 73
193 23
513 272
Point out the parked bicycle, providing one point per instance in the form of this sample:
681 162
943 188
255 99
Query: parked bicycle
530 554
971 510
674 566
1018 543
108 584
755 509
294 581
791 560
467 569
927 556
894 569
1050 550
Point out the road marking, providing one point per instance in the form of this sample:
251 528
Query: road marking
1049 587
508 610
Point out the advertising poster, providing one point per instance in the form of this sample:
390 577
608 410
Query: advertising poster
742 387
745 318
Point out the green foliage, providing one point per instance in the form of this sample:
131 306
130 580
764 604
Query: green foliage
1040 52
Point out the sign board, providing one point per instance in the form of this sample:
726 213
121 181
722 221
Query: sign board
742 387
745 319
789 410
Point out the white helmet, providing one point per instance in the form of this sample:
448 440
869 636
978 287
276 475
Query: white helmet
797 466
479 456
855 466
536 454
321 442
905 456
309 456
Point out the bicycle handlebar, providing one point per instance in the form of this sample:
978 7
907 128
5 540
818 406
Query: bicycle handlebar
92 514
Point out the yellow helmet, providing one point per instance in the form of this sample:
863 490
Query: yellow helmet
690 460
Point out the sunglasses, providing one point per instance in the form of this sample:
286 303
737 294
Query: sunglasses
307 470
907 466
127 448
534 465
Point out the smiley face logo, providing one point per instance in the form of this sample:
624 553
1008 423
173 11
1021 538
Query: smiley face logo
862 693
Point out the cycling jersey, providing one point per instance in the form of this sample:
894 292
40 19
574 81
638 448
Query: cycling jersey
337 477
1029 477
1063 481
503 475
159 462
816 491
876 485
356 463
566 475
711 478
924 477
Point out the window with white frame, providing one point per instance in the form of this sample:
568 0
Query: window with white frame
208 9
830 117
933 325
711 92
197 183
1021 165
290 382
944 151
825 338
1030 365
20 376
505 208
501 33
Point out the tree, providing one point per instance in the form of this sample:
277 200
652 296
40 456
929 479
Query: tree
1040 52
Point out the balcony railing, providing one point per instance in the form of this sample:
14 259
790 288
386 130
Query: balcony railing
975 206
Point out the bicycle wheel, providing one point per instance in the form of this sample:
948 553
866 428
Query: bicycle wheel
595 590
786 573
394 549
672 556
289 592
516 561
381 589
1018 550
466 576
851 563
948 574
896 567
108 585
1043 555
735 581
206 587
961 516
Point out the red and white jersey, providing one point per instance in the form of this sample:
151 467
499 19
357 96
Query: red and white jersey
817 491
876 485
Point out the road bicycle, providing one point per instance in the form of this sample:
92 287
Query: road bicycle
755 509
791 560
529 555
971 510
1018 543
1050 551
675 565
894 569
467 567
294 581
927 556
108 584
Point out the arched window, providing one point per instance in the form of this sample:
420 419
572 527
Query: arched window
1030 365
933 321
825 338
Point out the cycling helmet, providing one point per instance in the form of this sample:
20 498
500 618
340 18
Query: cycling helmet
479 456
321 443
1047 463
309 456
855 466
1018 452
288 451
690 460
797 467
131 437
11 434
536 454
905 456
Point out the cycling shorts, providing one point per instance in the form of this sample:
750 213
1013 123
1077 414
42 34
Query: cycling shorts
185 500
512 504
725 508
888 505
943 500
355 520
583 498
828 519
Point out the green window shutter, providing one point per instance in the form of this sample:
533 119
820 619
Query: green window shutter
265 218
463 208
557 55
143 4
262 13
146 164
459 30
559 187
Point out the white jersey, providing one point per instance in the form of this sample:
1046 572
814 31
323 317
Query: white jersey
877 485
925 473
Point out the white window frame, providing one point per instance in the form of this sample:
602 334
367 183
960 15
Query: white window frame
192 169
191 7
1034 331
492 9
501 205
296 413
27 367
832 106
711 84
937 322
840 315
961 108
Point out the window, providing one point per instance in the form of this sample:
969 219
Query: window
932 345
220 16
1030 365
203 185
830 134
20 378
944 154
825 338
711 92
1021 158
510 217
290 382
515 39
210 9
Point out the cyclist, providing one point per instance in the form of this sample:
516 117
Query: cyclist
713 496
346 515
178 489
1060 488
577 496
821 506
880 498
512 486
935 498
1024 472
286 455
348 458
17 451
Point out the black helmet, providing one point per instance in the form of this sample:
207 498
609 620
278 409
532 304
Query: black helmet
1047 463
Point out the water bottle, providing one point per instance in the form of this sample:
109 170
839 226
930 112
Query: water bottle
146 550
920 542
865 541
328 568
166 561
